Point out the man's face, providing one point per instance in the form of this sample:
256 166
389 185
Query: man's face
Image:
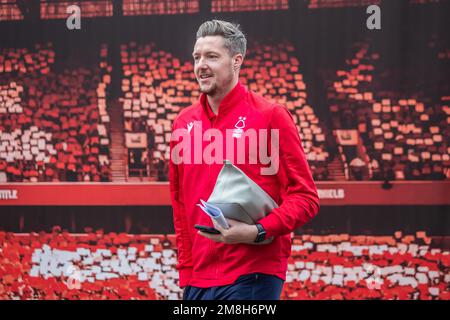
213 65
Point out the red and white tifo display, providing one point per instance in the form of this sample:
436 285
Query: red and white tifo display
60 265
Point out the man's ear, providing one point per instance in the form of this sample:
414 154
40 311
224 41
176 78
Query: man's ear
237 61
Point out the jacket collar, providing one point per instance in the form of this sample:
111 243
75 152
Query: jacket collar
227 103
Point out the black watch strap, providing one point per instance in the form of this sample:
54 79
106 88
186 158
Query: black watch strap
261 233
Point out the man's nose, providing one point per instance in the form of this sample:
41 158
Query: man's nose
202 65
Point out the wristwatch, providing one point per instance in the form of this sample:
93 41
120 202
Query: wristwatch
261 233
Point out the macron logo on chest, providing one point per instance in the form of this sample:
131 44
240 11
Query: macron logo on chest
192 124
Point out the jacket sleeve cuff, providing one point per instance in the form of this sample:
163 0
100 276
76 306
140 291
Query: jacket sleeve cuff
271 224
185 276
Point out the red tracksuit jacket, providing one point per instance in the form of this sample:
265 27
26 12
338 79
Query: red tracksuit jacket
205 263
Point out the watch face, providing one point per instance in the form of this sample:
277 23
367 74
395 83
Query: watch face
261 233
261 236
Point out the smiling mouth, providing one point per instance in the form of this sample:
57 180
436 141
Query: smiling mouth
205 76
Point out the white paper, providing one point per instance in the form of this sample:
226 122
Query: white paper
214 213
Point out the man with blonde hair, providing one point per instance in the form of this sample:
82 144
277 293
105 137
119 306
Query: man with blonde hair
234 264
